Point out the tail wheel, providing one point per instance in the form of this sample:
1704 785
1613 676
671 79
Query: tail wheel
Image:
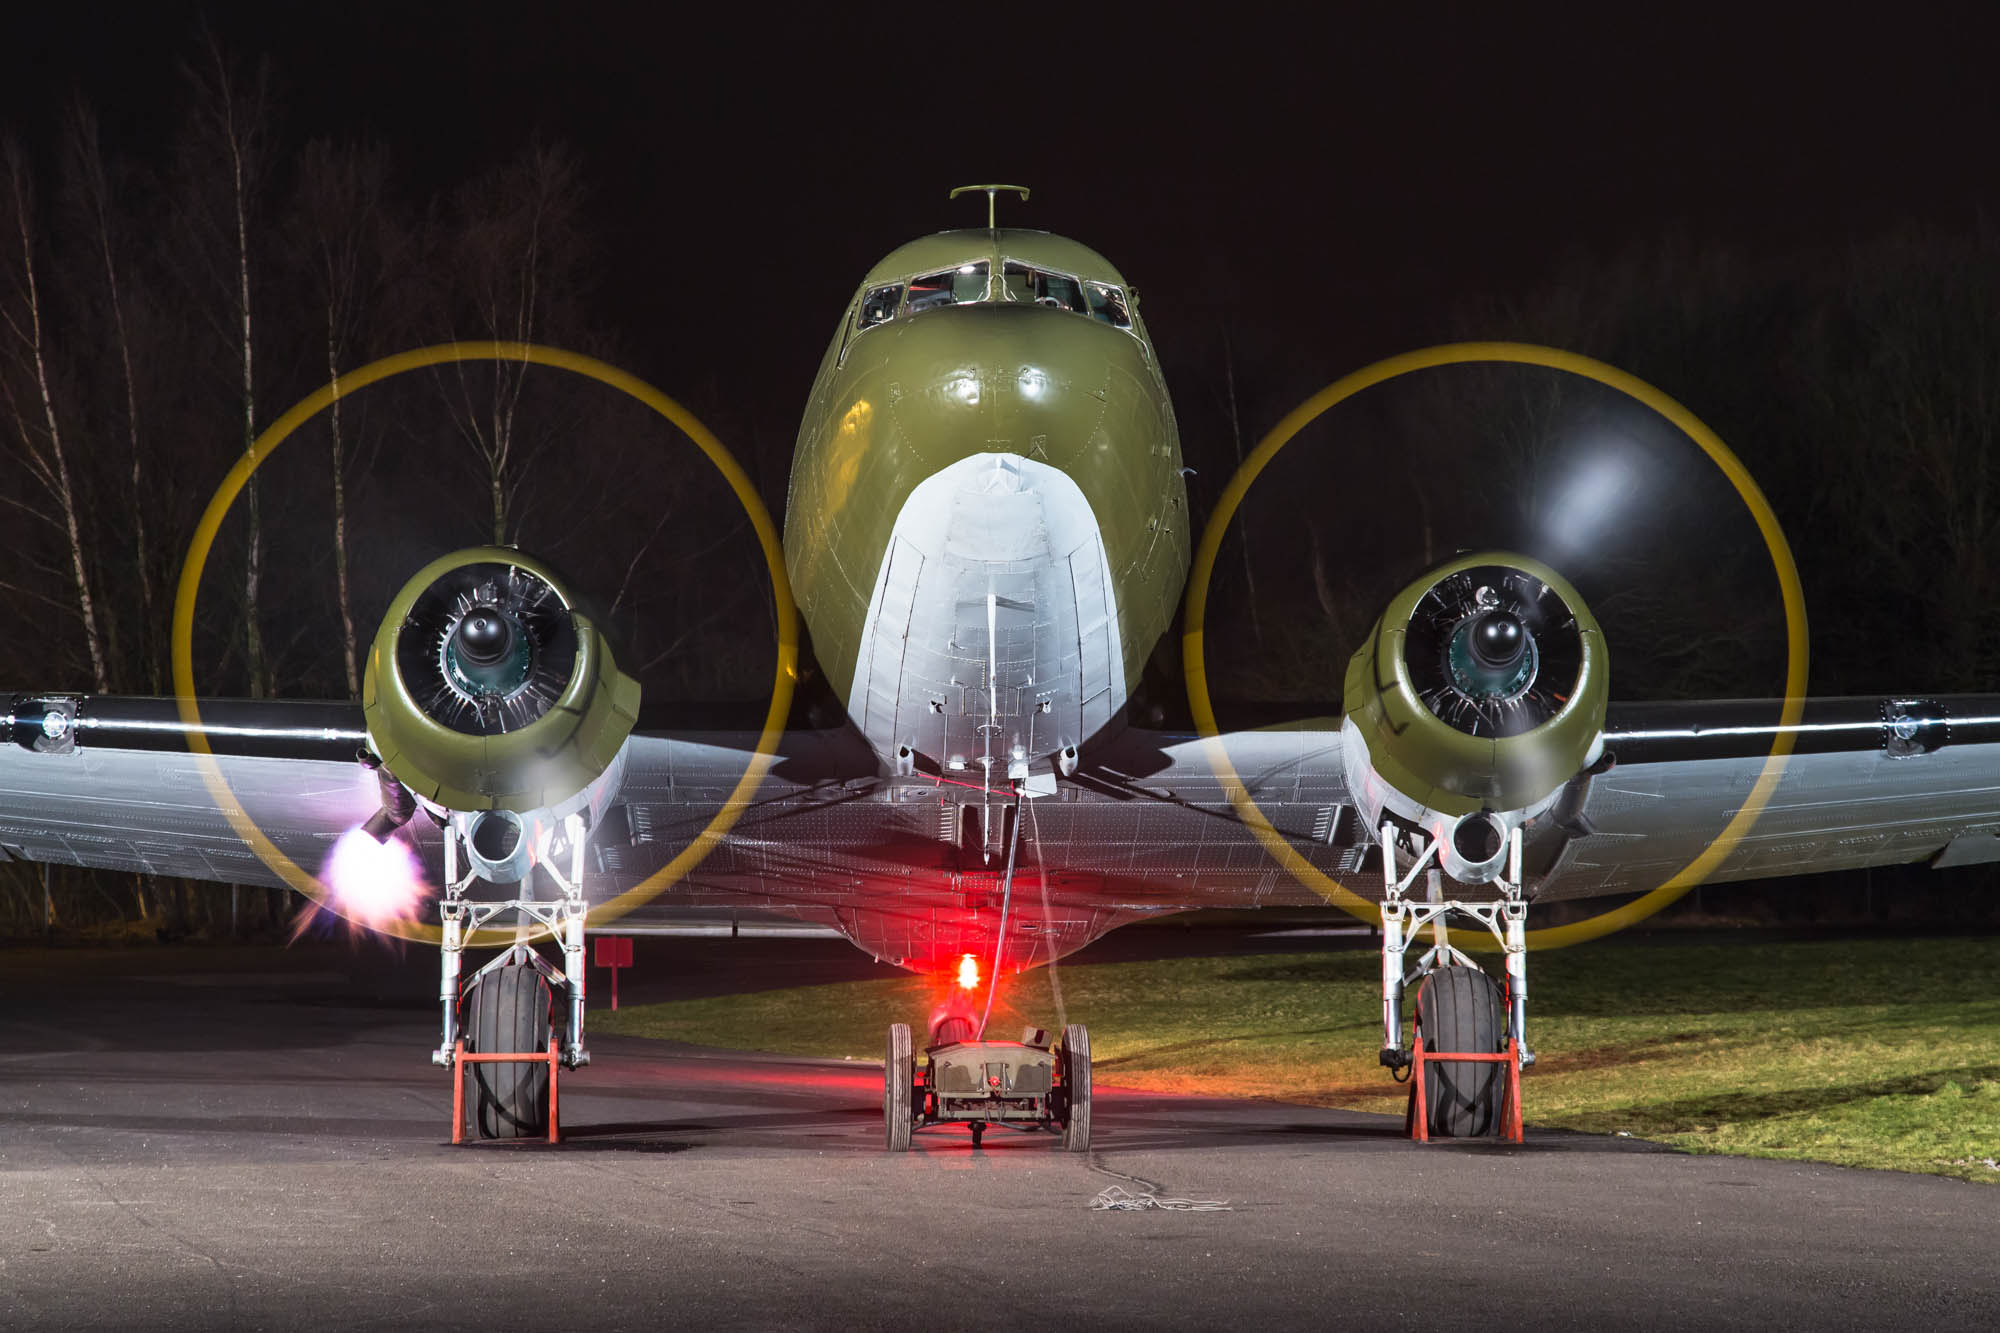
1459 1011
510 1016
898 1074
1076 1088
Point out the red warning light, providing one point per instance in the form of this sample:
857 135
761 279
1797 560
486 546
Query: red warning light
968 972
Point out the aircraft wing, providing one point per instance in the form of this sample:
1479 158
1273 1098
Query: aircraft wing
110 783
1870 782
900 863
894 862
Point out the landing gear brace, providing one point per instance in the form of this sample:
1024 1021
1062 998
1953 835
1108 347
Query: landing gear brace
563 918
1505 918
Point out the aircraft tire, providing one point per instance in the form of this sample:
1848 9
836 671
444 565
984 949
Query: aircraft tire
1459 1011
1076 1088
898 1075
953 1030
509 1014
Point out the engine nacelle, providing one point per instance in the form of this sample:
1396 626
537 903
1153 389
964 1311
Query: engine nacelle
1476 696
487 690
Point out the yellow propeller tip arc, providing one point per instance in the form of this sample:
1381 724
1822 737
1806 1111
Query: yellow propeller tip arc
188 593
1194 665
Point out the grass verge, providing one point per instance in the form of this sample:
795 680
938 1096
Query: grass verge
1874 1053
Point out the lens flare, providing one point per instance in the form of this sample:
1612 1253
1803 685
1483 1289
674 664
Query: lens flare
968 972
373 883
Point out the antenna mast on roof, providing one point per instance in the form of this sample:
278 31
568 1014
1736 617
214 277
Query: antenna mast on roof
991 192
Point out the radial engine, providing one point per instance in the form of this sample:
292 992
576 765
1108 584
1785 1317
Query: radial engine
1478 694
495 703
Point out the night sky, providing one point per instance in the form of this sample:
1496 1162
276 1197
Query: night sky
1346 186
1319 197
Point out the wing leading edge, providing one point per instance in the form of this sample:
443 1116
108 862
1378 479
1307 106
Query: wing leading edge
902 863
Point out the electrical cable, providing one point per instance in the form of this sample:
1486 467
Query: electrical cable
1006 901
1113 1198
1042 873
1118 1199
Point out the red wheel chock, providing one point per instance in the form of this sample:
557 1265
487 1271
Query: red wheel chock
460 1058
1416 1121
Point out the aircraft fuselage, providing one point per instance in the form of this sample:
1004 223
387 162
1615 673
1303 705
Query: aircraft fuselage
987 529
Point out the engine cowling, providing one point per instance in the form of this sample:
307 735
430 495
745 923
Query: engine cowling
1476 696
486 689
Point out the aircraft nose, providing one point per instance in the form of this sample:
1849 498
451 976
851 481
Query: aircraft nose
1014 379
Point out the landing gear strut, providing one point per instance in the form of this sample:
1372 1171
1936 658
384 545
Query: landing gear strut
520 1005
1467 1031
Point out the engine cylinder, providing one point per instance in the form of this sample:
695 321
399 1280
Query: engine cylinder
487 689
1481 688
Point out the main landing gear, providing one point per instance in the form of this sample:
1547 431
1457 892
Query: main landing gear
1471 1037
963 1080
515 1037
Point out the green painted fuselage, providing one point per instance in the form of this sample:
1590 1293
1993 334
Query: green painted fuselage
1031 349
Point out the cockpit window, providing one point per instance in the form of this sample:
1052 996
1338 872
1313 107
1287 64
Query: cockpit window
954 286
1041 287
878 304
1108 304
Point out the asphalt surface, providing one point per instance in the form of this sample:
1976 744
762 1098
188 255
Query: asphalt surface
254 1138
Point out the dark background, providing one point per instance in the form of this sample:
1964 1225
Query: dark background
1386 170
1785 219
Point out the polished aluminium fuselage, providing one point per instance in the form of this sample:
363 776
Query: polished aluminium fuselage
987 529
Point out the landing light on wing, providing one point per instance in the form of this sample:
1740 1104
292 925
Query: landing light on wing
968 972
373 882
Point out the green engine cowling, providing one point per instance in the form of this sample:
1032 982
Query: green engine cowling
1482 688
486 689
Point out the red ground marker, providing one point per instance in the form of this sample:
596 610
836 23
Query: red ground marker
614 952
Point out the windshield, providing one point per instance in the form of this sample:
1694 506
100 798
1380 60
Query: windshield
1042 287
954 286
879 304
1108 304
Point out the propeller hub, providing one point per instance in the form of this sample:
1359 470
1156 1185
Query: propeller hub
488 655
1489 652
1498 640
485 638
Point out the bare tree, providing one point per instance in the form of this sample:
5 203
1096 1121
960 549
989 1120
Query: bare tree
1243 537
1904 364
349 252
88 176
516 254
227 148
38 429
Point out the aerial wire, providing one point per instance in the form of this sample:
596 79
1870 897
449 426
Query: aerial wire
1042 873
1006 901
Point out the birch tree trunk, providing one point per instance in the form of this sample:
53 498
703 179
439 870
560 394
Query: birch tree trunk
90 170
350 658
253 562
351 248
224 160
50 460
517 253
